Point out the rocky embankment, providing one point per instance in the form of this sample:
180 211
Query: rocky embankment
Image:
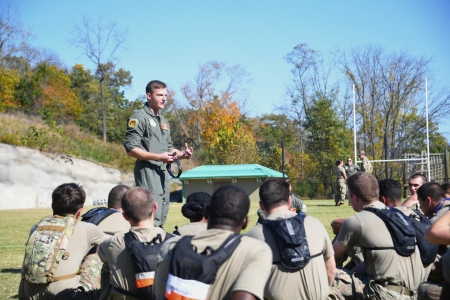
28 177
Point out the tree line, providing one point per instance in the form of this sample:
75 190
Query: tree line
210 111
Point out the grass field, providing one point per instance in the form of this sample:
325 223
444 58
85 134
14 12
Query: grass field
15 226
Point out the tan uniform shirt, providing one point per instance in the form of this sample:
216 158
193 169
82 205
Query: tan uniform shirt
115 253
246 270
85 235
445 208
114 223
193 228
368 230
311 282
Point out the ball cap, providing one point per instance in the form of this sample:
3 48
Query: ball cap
362 152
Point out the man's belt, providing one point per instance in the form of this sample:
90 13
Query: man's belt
399 289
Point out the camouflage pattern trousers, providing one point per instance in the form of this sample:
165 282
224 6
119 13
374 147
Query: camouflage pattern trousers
341 190
347 285
89 284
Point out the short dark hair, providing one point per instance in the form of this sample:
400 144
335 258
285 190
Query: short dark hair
338 162
229 206
137 203
153 85
391 189
418 175
67 199
363 185
194 208
432 190
274 192
446 187
115 196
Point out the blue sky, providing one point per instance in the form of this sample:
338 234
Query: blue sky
168 40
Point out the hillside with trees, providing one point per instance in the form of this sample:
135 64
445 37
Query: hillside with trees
82 112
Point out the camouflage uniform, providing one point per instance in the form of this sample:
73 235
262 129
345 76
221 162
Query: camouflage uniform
341 188
151 133
366 165
351 286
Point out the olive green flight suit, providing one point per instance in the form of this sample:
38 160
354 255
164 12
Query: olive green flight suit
151 132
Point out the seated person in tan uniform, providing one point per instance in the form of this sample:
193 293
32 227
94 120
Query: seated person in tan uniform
139 208
415 181
194 210
314 280
384 274
439 233
67 200
432 200
391 195
111 222
244 274
115 222
297 205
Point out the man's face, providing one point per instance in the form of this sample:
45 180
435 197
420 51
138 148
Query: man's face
352 200
157 99
414 185
425 207
349 161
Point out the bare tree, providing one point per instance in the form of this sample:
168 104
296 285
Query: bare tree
13 37
390 98
99 41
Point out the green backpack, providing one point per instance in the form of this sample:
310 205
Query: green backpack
45 249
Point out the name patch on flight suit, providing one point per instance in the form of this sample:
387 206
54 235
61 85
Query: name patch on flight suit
132 123
165 126
152 123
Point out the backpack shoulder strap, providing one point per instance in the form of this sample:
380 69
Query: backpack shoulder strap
400 228
98 214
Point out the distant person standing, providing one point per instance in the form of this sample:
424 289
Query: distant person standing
341 188
148 140
350 168
366 164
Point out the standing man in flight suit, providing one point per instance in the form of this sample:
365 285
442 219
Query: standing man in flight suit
148 140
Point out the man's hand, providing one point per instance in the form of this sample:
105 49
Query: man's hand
167 157
188 152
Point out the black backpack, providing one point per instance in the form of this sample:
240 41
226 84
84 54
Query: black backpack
399 226
98 214
144 257
291 241
428 250
188 265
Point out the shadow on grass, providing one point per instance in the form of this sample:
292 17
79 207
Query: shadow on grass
12 271
14 297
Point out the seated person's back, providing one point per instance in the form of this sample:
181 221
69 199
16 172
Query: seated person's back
243 274
194 210
387 269
110 219
310 282
67 199
139 208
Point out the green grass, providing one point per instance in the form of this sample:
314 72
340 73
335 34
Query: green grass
16 224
